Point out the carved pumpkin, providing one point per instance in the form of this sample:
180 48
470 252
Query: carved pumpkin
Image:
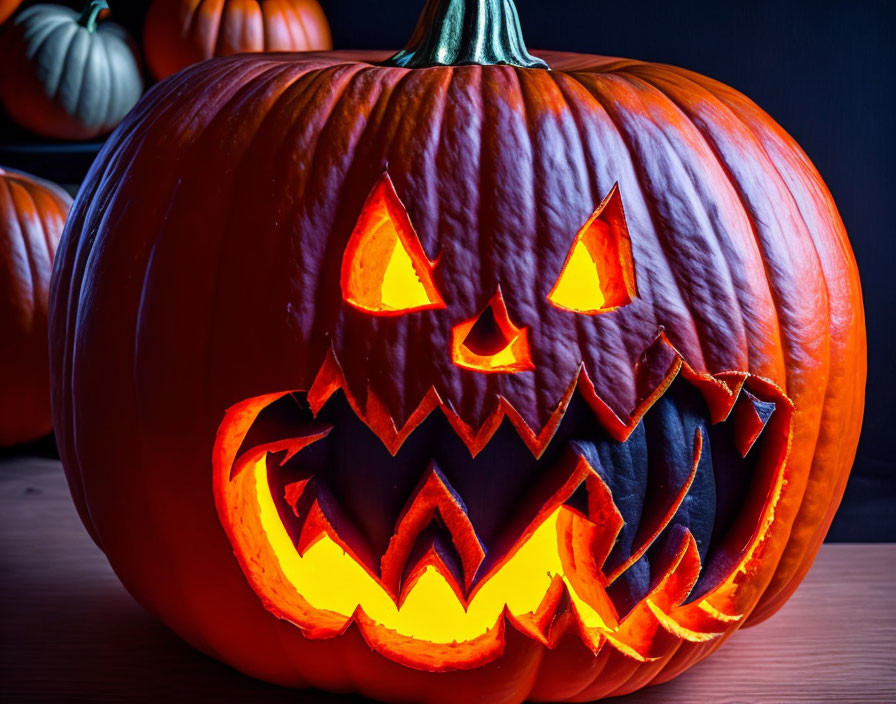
32 215
7 7
66 75
447 376
179 33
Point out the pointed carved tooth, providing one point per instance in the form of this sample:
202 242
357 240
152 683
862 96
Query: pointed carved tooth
585 542
315 526
433 548
549 621
555 488
565 618
590 542
328 381
377 417
273 429
649 532
432 498
538 442
673 587
475 439
291 446
750 417
552 620
557 613
648 629
679 567
428 404
318 514
656 367
294 493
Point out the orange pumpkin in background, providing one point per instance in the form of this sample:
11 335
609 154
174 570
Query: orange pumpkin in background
446 377
178 33
7 7
32 215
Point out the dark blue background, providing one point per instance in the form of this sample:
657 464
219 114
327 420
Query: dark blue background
823 68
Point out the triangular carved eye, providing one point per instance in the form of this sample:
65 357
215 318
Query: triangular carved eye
599 273
385 270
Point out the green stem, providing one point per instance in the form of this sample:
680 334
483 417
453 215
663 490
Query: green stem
90 12
467 32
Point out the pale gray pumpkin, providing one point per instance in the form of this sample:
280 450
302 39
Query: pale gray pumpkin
66 75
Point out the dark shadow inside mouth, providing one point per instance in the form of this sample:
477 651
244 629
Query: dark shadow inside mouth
367 488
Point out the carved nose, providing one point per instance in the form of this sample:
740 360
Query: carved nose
491 343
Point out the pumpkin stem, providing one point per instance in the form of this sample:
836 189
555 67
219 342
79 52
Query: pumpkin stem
465 32
88 16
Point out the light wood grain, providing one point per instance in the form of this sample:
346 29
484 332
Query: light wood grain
69 632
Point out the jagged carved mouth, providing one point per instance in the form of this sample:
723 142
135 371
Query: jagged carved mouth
431 539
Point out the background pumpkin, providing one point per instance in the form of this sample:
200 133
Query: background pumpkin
32 215
7 7
179 33
738 249
65 75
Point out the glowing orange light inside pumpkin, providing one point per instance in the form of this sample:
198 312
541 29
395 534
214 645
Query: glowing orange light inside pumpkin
491 343
385 270
328 584
599 274
330 579
553 578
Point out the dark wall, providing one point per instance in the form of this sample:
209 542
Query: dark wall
823 68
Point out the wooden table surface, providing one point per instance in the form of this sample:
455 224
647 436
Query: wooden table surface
69 631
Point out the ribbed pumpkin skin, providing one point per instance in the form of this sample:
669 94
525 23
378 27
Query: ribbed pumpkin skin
7 7
178 33
60 80
32 215
200 267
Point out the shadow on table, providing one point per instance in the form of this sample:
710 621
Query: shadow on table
44 448
86 667
69 632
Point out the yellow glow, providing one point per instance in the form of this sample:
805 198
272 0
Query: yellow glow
579 287
326 589
385 270
401 287
503 359
331 580
515 356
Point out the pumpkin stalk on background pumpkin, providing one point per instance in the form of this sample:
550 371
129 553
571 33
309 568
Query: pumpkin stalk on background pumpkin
467 32
89 14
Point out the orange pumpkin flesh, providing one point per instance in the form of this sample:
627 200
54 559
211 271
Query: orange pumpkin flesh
178 33
319 573
728 296
32 215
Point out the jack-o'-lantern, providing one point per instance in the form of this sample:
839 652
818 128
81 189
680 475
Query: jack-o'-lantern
32 215
456 373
